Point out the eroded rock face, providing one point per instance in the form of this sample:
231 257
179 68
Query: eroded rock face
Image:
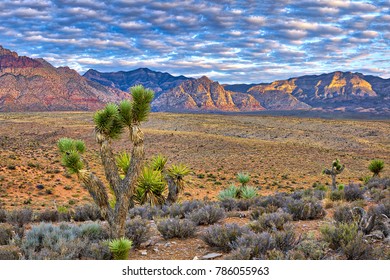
28 84
205 95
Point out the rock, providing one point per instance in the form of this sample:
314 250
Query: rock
211 256
156 250
40 187
143 252
196 258
168 244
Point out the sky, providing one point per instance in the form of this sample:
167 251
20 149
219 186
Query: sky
230 41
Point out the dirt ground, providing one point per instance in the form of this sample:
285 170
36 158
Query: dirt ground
280 153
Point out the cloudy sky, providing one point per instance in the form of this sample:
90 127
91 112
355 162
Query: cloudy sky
228 40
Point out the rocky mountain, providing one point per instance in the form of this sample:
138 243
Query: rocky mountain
157 81
28 84
204 95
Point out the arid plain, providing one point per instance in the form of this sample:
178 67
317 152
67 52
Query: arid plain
280 153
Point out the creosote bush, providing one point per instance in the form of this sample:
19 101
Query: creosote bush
311 248
207 215
339 235
173 227
223 237
137 230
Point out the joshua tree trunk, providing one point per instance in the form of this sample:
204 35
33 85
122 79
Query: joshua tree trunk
173 192
334 185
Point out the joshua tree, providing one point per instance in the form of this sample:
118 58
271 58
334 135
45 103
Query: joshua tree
336 169
376 166
110 123
175 177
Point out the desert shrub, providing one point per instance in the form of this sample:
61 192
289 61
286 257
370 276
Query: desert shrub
316 193
9 252
343 214
231 192
353 192
48 216
206 215
19 217
336 195
252 246
229 204
5 233
311 248
120 248
46 241
137 230
257 212
87 212
3 215
276 201
171 228
378 183
275 254
358 249
98 251
271 221
248 192
180 210
146 212
93 231
339 235
305 209
223 237
285 239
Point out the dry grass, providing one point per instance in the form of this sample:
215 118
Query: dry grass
280 153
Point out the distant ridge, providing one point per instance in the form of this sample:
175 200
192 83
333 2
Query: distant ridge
124 80
28 84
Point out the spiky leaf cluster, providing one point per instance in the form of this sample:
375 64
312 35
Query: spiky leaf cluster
123 162
376 166
141 103
248 192
150 187
108 121
120 248
337 165
229 193
158 162
243 178
71 151
177 173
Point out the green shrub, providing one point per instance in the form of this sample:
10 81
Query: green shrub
376 166
311 248
358 249
336 195
120 248
339 235
171 228
93 231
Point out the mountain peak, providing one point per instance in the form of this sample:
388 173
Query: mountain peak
4 51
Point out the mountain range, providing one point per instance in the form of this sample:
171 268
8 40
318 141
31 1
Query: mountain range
28 84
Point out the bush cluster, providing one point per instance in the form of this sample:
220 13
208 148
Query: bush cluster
173 227
87 212
343 214
206 215
137 230
252 246
305 209
272 221
353 192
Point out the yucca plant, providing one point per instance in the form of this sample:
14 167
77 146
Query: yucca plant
243 178
158 162
120 248
151 187
376 166
121 173
248 192
175 177
123 163
231 192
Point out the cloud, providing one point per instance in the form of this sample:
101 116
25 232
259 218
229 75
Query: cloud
241 41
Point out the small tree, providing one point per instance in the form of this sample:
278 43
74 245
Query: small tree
376 166
336 169
110 123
